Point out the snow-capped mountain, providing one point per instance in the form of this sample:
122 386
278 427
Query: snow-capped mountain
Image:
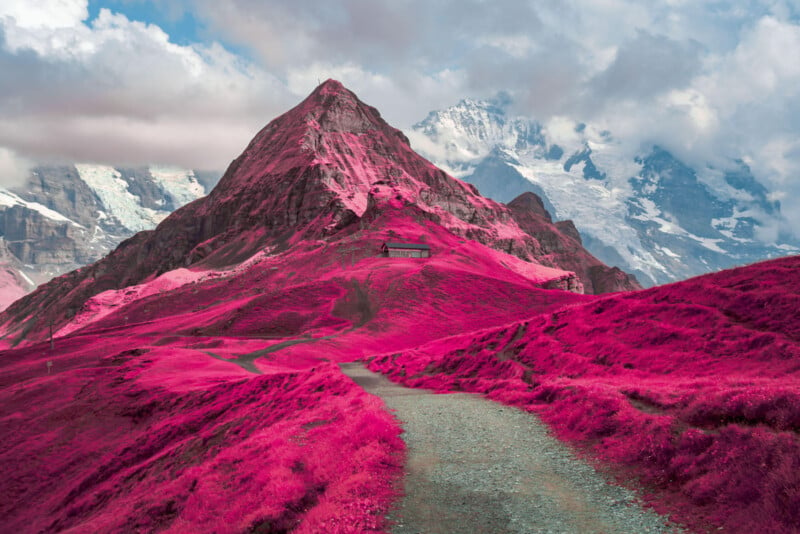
64 217
650 214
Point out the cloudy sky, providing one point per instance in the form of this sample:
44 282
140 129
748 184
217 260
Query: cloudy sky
188 82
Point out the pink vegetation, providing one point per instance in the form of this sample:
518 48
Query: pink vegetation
692 387
116 441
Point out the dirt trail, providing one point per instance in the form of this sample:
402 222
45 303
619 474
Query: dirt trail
248 361
480 467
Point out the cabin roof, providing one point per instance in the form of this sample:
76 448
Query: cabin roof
413 246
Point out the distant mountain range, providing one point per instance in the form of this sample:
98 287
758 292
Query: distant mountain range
65 217
652 215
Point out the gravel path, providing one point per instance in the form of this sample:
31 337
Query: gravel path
476 466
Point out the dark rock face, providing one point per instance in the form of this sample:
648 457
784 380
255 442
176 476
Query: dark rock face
324 165
35 239
62 190
561 246
568 229
530 202
675 189
140 183
584 156
50 246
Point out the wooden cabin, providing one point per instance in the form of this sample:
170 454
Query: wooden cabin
405 250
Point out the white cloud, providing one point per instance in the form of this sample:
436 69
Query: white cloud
761 68
517 46
13 169
117 91
695 106
45 13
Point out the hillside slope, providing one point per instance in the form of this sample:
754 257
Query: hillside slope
191 386
694 388
235 305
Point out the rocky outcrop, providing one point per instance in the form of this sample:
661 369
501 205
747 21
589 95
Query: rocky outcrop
530 203
561 247
61 190
141 184
568 229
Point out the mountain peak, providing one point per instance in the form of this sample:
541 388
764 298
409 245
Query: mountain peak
330 92
531 202
332 107
331 86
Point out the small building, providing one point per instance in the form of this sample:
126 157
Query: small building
405 250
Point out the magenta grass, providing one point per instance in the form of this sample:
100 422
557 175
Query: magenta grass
193 388
121 443
691 387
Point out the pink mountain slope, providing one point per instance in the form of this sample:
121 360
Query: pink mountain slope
693 388
327 166
191 386
204 400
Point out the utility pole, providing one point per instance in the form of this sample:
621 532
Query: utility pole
51 334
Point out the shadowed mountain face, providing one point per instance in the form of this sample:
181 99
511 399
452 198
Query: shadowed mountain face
329 164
